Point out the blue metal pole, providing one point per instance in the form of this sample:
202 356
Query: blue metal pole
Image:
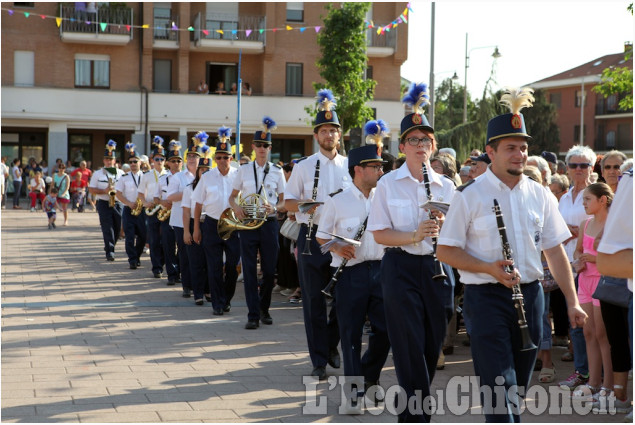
239 89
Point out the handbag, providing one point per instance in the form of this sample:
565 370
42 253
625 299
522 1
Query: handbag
290 229
548 282
613 290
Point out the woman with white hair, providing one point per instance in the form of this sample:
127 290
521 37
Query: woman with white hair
543 167
611 165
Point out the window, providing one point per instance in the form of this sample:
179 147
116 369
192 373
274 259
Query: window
24 4
79 148
576 133
162 71
294 79
295 11
624 136
611 103
369 73
92 71
556 99
578 98
23 68
610 140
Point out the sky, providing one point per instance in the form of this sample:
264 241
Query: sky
536 39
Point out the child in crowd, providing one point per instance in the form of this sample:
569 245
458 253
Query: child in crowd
78 192
49 205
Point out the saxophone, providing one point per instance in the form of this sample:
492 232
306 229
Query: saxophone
138 208
111 192
163 213
152 210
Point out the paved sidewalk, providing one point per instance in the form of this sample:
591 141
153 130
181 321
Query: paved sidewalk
85 340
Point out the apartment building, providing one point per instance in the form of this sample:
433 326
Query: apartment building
69 88
604 126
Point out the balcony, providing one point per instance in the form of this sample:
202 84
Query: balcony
221 33
163 36
380 45
105 25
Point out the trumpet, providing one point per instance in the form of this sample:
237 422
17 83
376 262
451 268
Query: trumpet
152 210
164 213
138 208
256 215
111 193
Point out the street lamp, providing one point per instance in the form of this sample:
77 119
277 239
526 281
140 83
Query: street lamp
495 55
452 80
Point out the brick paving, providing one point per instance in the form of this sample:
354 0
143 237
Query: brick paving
85 340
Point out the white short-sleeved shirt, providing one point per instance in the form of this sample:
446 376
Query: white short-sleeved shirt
274 183
15 170
99 180
532 220
213 191
178 182
333 177
573 214
342 215
397 204
187 200
164 182
149 185
128 184
37 187
618 230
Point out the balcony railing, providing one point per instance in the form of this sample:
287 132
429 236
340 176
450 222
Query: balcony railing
387 39
233 27
84 21
163 28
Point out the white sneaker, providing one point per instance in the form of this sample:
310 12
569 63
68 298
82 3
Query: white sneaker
32 209
276 289
629 417
608 404
584 393
287 292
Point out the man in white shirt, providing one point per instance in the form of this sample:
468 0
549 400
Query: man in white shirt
316 177
134 226
101 184
357 270
212 198
472 241
265 179
168 238
149 195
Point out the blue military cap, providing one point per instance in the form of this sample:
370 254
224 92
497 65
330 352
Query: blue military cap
157 146
549 157
131 149
223 145
417 97
482 157
265 136
110 149
364 154
512 124
326 106
174 149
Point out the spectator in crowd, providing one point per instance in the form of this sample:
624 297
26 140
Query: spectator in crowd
78 192
220 88
561 167
203 88
69 167
444 164
58 161
85 174
44 167
611 168
37 190
464 174
627 165
244 159
49 204
543 168
16 173
233 89
559 185
476 152
4 172
552 160
246 89
479 165
389 162
62 182
144 164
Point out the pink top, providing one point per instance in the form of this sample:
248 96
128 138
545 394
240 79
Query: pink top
587 247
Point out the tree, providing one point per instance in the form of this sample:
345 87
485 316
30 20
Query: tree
540 121
343 64
618 80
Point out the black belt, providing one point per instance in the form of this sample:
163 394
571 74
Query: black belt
401 251
500 284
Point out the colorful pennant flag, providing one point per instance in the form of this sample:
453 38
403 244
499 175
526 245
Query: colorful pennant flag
247 32
103 26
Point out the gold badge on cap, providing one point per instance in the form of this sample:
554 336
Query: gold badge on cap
516 122
416 119
328 115
223 145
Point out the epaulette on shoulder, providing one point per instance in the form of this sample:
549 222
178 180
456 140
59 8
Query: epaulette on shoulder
463 186
336 192
277 166
451 179
630 172
301 159
146 172
125 174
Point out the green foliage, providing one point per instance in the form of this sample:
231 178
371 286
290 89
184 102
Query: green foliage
540 121
343 63
448 105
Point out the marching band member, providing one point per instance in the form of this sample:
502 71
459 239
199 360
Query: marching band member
494 234
265 179
358 287
102 185
415 303
315 178
168 238
212 198
195 252
149 195
175 195
133 225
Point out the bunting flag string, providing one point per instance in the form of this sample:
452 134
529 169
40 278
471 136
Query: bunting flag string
381 30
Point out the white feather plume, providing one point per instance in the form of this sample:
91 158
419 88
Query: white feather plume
517 99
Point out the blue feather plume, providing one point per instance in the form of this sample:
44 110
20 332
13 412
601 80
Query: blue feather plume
130 147
376 131
269 124
158 140
201 136
417 97
204 149
111 145
326 100
174 145
224 133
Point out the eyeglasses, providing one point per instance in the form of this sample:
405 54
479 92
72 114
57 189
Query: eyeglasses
557 193
224 158
582 166
175 161
133 162
414 141
192 156
376 167
159 159
261 144
612 167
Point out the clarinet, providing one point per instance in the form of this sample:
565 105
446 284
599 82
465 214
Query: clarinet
307 243
439 274
330 288
517 295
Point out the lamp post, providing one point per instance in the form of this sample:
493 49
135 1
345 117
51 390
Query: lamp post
452 80
495 55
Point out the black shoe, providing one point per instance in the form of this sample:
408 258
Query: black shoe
199 301
252 324
53 224
177 280
466 342
138 263
218 312
265 318
334 358
227 308
320 372
448 350
133 266
158 275
110 257
208 298
171 282
186 293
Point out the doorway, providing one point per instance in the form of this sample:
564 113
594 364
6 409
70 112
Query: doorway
226 73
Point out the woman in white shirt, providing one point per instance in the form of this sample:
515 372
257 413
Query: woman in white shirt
37 189
16 173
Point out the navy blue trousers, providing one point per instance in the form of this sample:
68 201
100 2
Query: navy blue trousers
184 262
496 342
222 288
110 223
358 294
153 226
416 315
198 267
168 244
322 331
135 231
265 241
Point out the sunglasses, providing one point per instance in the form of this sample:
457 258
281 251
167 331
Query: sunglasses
261 145
376 167
224 158
582 166
159 159
175 161
414 141
133 162
611 167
